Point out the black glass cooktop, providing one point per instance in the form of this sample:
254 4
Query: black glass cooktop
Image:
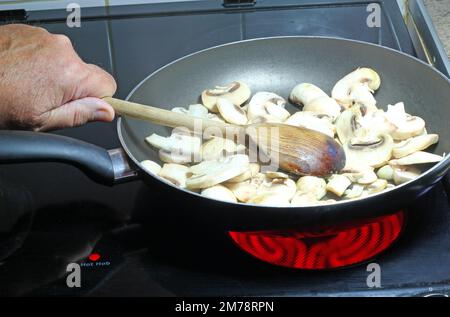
130 240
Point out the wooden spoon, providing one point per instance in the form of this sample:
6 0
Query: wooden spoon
297 150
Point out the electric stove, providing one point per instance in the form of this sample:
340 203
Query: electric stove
132 240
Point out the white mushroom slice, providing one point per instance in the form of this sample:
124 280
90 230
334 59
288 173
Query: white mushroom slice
414 144
372 151
362 176
396 114
312 184
274 110
347 124
198 110
405 174
151 166
419 157
377 186
270 199
210 173
337 184
216 148
304 93
412 126
219 192
264 119
315 100
303 199
251 172
386 172
195 110
246 190
262 107
173 157
175 173
279 186
273 175
243 191
362 97
343 89
178 143
215 117
374 123
230 112
324 106
355 191
237 92
310 121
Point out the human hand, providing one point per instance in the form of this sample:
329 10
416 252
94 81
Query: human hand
45 85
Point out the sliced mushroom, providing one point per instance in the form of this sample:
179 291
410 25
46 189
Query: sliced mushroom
372 151
195 110
377 186
178 148
174 157
411 127
216 148
414 144
347 124
175 173
309 120
363 175
324 106
270 199
230 112
354 191
219 192
267 106
304 199
151 166
315 100
406 126
280 186
198 110
386 172
210 173
337 184
215 117
252 171
246 190
363 98
312 184
362 78
273 175
177 142
403 174
237 92
419 157
304 93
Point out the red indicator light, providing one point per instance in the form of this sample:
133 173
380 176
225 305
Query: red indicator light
329 248
94 257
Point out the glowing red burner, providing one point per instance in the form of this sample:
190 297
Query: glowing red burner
329 248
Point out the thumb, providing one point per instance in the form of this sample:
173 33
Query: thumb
78 112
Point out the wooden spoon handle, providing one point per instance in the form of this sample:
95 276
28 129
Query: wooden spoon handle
165 117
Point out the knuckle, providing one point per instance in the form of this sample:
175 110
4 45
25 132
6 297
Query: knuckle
62 39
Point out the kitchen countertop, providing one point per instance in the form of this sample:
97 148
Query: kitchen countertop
439 11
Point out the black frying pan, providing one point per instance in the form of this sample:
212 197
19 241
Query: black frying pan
271 64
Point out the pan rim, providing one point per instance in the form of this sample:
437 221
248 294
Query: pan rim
444 164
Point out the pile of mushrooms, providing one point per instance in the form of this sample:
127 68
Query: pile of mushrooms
383 148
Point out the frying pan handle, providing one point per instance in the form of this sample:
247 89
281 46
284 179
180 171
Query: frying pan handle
102 166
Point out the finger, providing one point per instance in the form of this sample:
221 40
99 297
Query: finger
78 112
96 83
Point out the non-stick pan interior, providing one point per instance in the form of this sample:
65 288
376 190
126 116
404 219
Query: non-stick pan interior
277 65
